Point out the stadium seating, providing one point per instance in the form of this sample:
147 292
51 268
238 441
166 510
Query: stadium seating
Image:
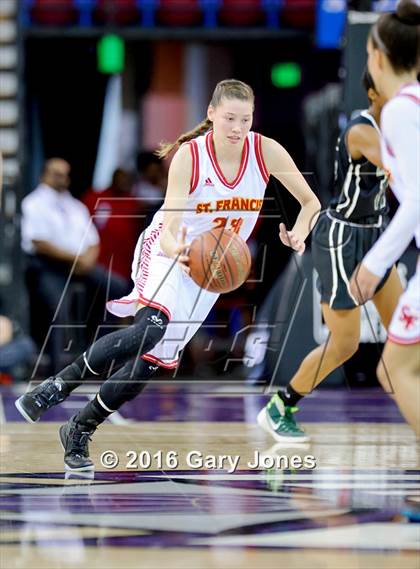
53 12
298 13
179 12
123 12
170 13
243 13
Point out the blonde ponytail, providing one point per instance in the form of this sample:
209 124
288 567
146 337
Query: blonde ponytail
165 148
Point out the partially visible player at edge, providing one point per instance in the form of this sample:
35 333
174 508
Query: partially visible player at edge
217 178
354 220
393 59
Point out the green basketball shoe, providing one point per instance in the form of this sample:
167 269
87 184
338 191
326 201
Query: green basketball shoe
278 420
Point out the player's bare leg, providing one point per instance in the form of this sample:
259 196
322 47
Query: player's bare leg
399 372
343 341
399 368
386 300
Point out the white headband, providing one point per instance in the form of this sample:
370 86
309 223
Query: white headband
377 39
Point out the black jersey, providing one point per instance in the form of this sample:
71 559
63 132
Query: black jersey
359 186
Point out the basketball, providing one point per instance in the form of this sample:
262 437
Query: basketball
220 260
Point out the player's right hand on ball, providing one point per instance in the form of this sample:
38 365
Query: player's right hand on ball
181 251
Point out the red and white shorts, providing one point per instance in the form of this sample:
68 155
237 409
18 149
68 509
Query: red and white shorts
405 323
161 283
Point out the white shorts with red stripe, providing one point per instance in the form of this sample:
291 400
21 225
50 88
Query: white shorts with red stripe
161 283
405 323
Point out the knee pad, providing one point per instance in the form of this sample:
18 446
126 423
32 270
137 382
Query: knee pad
149 328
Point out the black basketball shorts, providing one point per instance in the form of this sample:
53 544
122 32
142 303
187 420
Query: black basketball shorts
337 248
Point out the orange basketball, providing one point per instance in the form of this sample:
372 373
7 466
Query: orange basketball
220 260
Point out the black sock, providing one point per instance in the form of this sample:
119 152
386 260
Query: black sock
122 386
73 375
289 396
92 415
117 347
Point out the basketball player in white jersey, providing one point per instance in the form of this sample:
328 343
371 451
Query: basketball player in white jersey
393 61
217 178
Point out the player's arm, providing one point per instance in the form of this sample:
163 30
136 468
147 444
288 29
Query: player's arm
364 141
179 177
280 164
399 233
397 236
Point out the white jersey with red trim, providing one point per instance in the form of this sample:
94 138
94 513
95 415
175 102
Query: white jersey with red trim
400 126
401 121
214 201
405 324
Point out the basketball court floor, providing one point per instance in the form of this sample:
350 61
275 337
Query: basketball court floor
357 508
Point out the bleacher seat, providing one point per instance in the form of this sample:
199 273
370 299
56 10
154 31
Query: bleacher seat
179 12
298 13
241 12
53 12
121 12
148 13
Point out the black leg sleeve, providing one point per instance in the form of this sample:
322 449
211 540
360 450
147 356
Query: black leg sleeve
122 386
117 347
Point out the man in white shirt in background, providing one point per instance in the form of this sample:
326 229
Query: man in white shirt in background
55 224
61 241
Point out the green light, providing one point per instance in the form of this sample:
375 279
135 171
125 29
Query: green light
286 75
111 54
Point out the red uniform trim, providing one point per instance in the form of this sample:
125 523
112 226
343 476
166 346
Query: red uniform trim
217 169
410 96
389 149
159 362
144 301
154 304
195 173
402 341
260 159
145 258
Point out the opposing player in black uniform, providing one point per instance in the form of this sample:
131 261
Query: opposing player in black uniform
354 220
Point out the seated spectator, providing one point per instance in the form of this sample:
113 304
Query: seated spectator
150 187
17 351
62 246
116 212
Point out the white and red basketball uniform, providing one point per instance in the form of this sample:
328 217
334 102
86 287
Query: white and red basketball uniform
400 125
213 202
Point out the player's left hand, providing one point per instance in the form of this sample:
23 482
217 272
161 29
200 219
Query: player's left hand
363 284
290 239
